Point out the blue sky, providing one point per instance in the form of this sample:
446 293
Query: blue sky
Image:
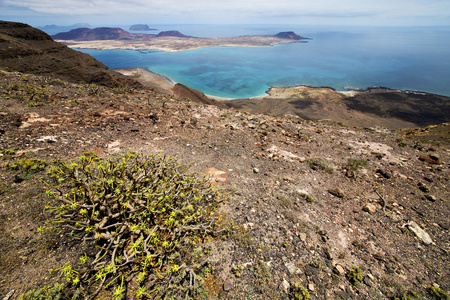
315 12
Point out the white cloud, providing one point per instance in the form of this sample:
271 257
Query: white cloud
240 10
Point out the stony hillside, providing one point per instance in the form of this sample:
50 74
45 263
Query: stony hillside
393 109
346 213
304 210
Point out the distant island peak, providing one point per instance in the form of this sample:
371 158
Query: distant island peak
173 33
290 35
141 27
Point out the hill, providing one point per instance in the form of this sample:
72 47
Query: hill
73 26
290 35
27 49
173 33
304 208
101 33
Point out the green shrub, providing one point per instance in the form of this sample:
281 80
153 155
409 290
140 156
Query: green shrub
309 198
438 293
410 295
8 152
355 275
75 101
298 292
146 217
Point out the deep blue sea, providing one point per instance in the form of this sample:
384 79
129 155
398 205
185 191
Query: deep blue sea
407 58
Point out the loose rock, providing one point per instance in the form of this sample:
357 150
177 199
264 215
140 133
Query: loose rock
228 285
285 286
302 236
337 192
384 173
431 159
292 268
423 187
370 208
419 232
216 176
430 198
340 270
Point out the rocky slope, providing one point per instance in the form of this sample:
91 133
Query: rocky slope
308 200
376 106
183 92
312 208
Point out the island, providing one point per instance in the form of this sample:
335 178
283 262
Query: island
141 27
116 38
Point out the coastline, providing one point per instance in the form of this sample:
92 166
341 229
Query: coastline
374 106
150 78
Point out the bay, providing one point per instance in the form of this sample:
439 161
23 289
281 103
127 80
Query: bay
406 58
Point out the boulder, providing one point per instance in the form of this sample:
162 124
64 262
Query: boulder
419 232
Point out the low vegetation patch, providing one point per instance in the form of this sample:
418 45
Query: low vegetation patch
26 168
320 164
298 292
28 164
147 219
48 292
355 164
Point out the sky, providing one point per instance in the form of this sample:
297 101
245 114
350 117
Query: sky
300 12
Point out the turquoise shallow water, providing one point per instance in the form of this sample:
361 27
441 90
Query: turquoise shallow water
345 58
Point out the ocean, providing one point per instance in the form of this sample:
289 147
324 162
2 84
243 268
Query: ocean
406 58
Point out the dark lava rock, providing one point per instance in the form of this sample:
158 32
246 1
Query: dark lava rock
445 224
423 187
310 270
431 159
384 173
430 198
